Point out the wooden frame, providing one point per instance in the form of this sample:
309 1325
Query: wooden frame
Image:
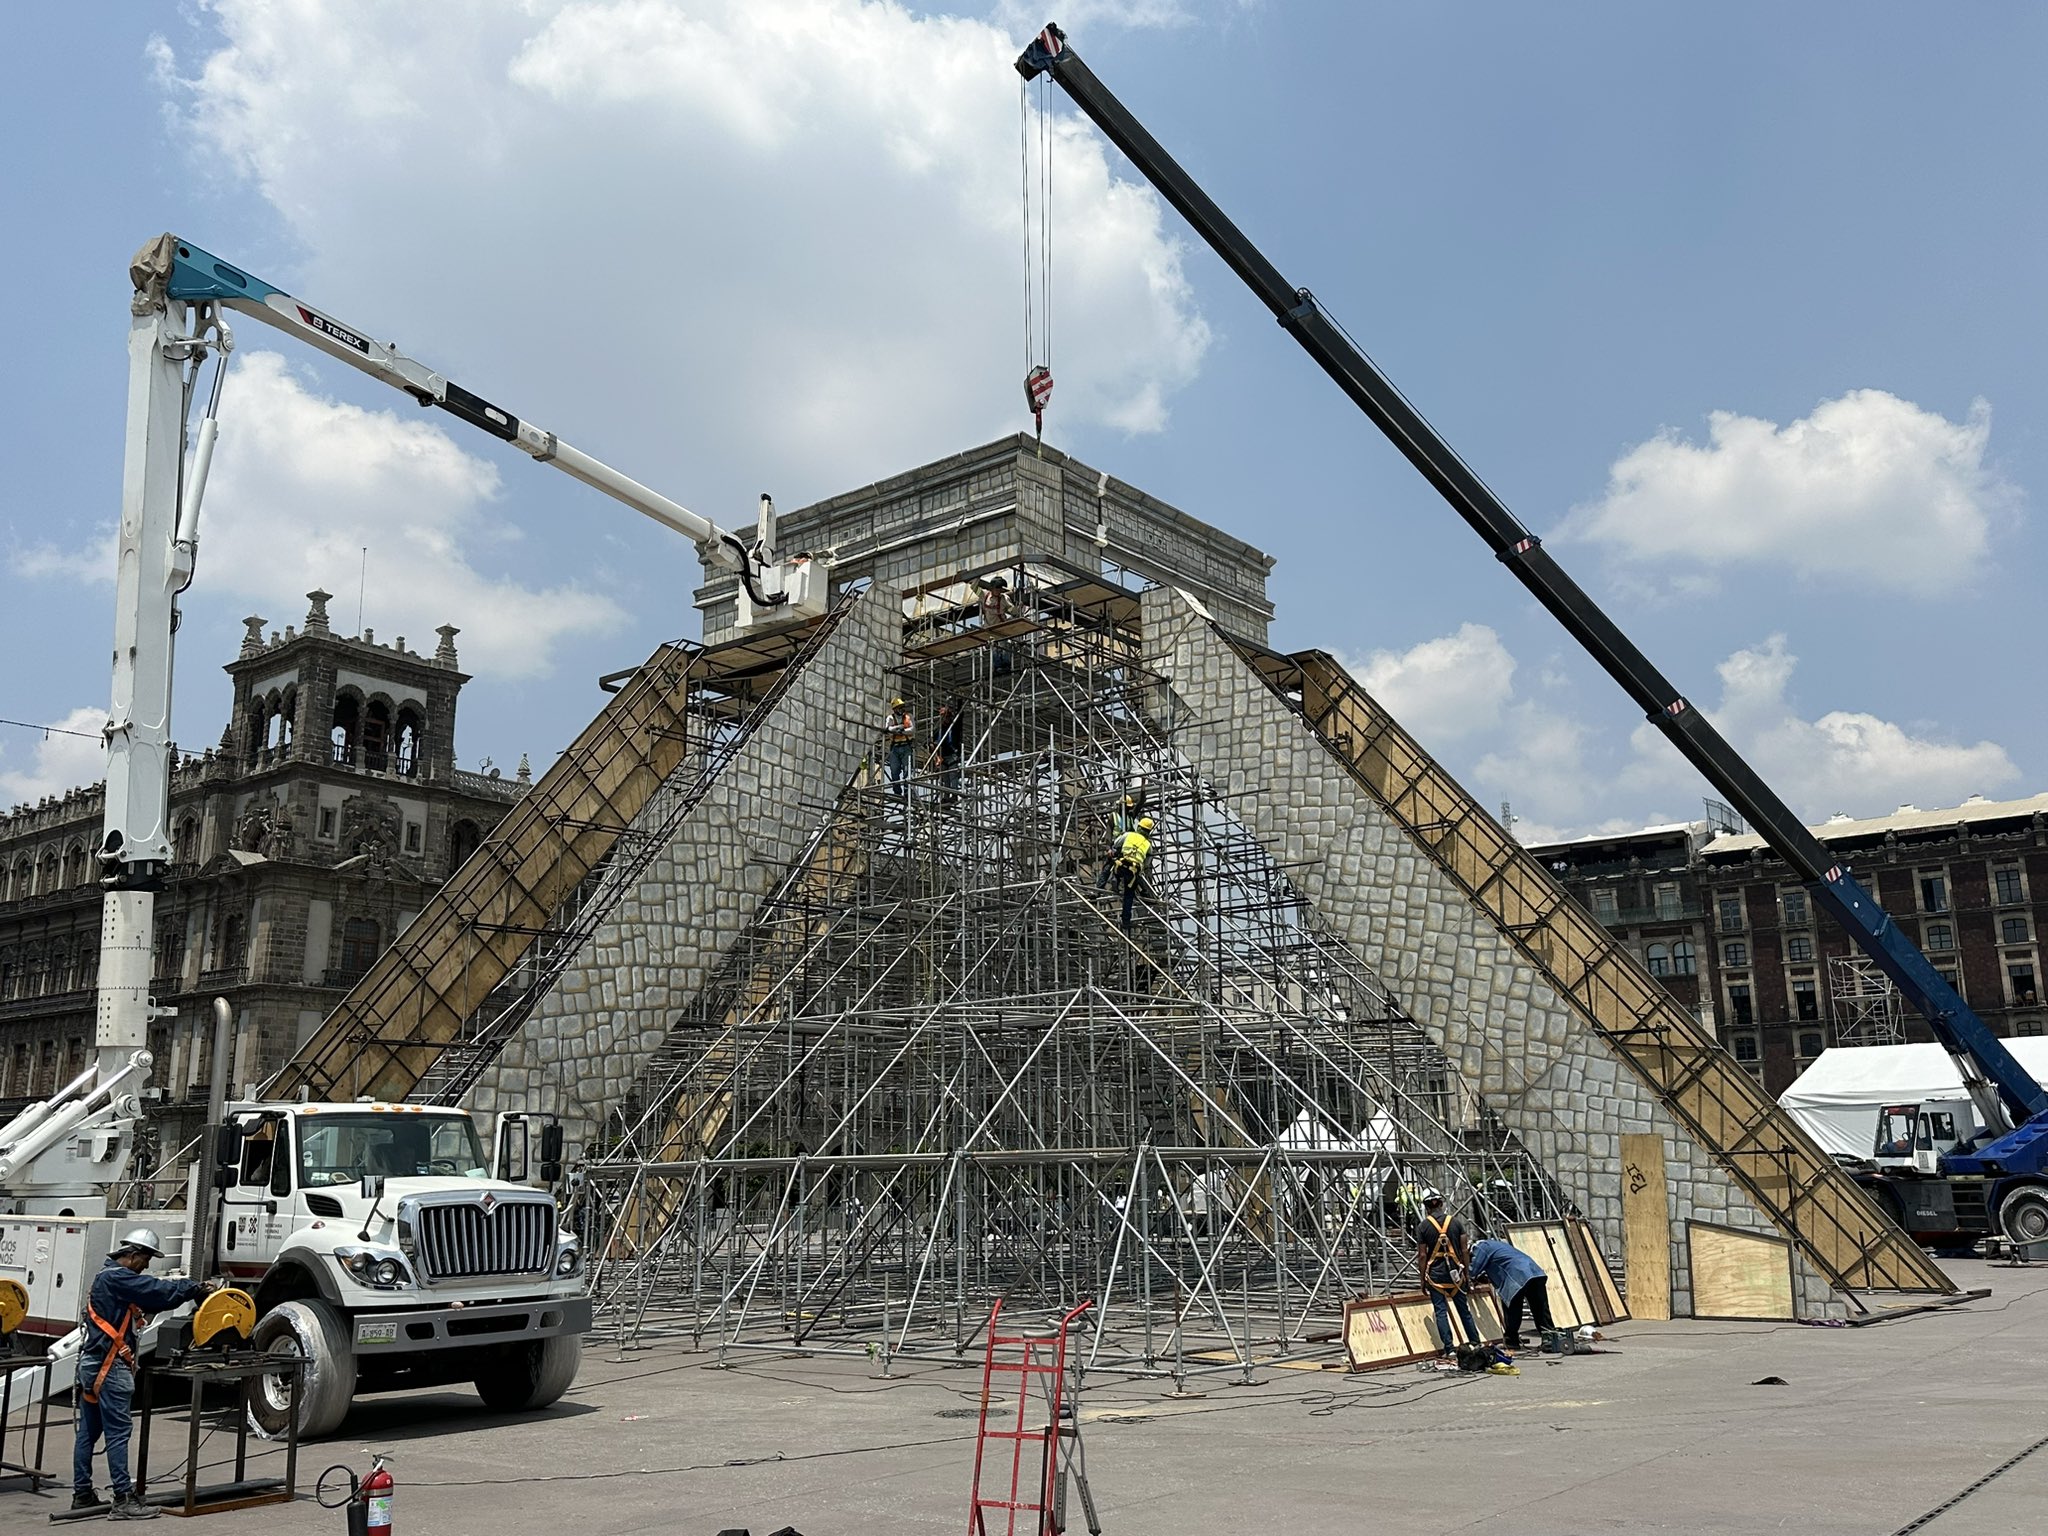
1380 1331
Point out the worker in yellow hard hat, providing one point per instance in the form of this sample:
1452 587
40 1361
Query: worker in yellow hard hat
1127 860
899 729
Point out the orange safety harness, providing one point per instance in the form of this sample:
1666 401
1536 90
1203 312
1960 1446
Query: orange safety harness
1441 1249
118 1349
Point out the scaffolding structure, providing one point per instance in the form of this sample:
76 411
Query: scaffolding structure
1866 1006
936 1070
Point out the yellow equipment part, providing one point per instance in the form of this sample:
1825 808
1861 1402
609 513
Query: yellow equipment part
225 1311
13 1305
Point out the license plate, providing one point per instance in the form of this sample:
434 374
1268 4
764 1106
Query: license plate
377 1333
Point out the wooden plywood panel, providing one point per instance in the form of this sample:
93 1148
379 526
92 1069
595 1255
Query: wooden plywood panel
1739 1274
1547 1243
1381 1331
1646 1225
1608 1307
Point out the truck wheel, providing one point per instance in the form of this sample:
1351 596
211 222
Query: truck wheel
2023 1215
310 1330
522 1377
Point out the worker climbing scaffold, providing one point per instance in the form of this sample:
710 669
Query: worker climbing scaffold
1125 862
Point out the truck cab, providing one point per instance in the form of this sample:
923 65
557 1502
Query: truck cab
1915 1137
379 1244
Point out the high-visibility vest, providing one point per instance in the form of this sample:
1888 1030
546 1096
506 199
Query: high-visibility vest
1131 850
900 725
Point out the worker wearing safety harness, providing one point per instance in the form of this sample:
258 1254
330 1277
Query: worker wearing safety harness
1442 1255
1127 862
900 729
121 1298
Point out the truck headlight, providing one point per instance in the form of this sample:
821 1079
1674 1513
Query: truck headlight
567 1262
387 1272
374 1266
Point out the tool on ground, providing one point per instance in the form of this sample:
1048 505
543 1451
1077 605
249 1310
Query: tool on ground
367 1499
1041 1369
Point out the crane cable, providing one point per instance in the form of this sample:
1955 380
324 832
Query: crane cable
1037 249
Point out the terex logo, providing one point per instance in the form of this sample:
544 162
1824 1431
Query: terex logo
327 327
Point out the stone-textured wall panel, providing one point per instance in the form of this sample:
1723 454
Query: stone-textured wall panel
1507 1032
588 1040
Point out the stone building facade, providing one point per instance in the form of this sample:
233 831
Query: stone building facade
302 844
1643 887
1968 883
1011 501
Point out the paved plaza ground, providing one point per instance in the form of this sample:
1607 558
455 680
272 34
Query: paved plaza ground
1872 1429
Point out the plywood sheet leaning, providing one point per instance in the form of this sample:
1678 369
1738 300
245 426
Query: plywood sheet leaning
1576 1299
1608 1307
1646 1226
1743 1275
1395 1330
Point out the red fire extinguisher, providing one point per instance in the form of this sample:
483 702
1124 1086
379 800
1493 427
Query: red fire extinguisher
367 1499
376 1494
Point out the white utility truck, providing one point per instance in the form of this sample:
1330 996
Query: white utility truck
376 1237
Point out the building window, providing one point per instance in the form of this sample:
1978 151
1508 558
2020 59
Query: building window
1941 936
1934 893
1745 1048
2013 930
464 838
1730 909
1668 904
1740 1007
2026 1027
1811 1043
1605 908
359 945
1952 976
342 739
1735 953
1799 946
2019 978
2008 889
327 823
1794 903
1682 962
1658 958
412 837
1805 1000
411 730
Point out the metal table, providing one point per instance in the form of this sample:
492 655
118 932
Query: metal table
201 1370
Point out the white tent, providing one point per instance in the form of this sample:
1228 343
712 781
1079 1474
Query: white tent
1836 1100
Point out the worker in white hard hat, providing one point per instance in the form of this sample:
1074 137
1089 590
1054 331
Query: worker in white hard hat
1442 1255
121 1297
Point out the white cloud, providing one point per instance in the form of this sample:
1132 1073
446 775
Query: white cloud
1869 488
72 755
759 242
302 484
1843 760
91 563
1442 689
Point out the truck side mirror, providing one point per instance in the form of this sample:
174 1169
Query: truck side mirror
227 1154
551 1152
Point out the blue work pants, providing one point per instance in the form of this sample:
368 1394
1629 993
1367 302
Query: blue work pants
108 1417
1440 1305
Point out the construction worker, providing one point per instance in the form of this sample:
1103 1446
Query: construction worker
900 729
1442 1256
1127 859
1124 819
947 745
120 1298
1517 1280
995 609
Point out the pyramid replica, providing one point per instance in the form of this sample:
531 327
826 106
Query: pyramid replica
842 1058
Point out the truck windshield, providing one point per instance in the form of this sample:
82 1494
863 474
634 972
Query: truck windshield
1895 1124
340 1149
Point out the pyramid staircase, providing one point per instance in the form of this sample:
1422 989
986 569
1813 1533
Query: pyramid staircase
433 1011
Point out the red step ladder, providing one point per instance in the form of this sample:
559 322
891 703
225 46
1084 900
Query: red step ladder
1042 1452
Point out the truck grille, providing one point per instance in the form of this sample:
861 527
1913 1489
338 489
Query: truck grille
513 1237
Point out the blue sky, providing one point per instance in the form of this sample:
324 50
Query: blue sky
1740 307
